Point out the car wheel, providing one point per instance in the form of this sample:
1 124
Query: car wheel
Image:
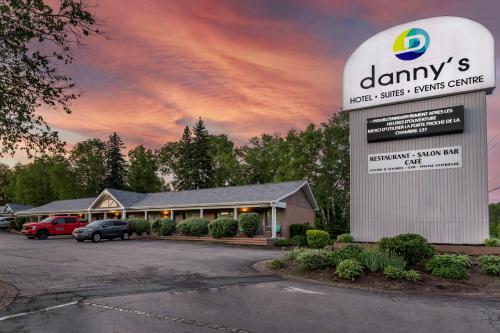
43 234
125 236
96 237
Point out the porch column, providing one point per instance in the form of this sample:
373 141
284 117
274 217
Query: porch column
146 215
172 216
105 215
201 213
235 213
89 214
38 218
273 221
124 214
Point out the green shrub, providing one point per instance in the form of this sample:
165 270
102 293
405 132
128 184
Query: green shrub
349 269
344 238
294 254
223 227
497 230
449 266
412 275
392 272
490 265
313 259
347 252
299 229
375 260
138 226
299 241
317 239
249 223
412 247
277 264
12 225
163 227
282 243
193 227
20 221
491 242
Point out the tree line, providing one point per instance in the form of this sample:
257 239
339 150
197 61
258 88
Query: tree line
318 154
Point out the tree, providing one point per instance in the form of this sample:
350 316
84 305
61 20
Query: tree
88 162
6 175
143 169
44 180
36 41
116 166
201 158
225 163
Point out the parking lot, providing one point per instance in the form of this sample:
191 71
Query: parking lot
170 286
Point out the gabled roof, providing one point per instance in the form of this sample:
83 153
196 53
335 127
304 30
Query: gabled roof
14 208
219 196
61 206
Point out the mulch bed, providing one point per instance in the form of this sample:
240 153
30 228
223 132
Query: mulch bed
477 284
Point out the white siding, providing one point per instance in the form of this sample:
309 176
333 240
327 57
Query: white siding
445 206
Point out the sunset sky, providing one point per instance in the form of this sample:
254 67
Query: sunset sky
246 67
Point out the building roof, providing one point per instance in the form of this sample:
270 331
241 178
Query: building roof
14 208
219 196
61 206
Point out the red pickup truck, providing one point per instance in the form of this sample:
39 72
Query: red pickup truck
52 226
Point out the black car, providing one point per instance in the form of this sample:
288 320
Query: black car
100 229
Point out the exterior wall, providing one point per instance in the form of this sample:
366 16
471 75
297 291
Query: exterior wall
445 206
298 211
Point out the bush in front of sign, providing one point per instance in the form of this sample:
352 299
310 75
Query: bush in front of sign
412 247
317 239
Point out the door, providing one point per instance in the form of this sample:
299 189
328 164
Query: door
108 229
70 225
58 226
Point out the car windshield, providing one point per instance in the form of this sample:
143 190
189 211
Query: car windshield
96 223
47 219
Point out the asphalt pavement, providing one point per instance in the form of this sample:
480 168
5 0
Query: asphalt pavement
171 286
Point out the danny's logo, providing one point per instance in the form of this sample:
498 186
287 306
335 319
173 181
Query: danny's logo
411 44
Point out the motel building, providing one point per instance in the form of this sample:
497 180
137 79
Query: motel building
279 205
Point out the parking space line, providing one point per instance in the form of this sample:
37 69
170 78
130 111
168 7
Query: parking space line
37 311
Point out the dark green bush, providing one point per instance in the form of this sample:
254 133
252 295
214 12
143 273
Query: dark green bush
138 226
249 223
282 243
223 227
299 241
193 227
299 229
412 247
449 266
163 227
344 238
349 269
12 225
317 239
497 230
491 242
347 252
490 265
20 221
277 264
313 259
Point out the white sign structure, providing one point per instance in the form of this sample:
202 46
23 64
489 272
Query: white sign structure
420 59
416 160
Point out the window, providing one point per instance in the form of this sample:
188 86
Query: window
107 224
70 220
61 220
120 223
192 213
107 202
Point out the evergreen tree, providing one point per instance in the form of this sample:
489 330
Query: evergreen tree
115 163
142 174
203 171
6 175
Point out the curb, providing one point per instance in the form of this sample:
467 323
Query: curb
261 266
8 294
